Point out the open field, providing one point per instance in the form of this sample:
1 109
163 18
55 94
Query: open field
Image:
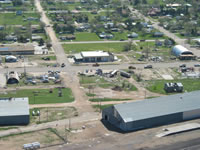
158 85
42 96
52 114
13 19
46 137
76 48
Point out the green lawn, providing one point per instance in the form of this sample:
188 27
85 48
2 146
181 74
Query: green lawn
76 48
189 85
98 107
13 19
108 99
118 36
85 36
42 95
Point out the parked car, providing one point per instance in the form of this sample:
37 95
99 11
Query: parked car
148 66
131 67
95 65
183 65
62 65
196 65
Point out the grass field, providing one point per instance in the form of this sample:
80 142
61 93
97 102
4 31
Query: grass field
157 86
76 48
42 95
101 107
13 19
85 36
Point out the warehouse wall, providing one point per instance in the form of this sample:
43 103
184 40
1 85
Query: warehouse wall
14 120
108 115
151 122
191 114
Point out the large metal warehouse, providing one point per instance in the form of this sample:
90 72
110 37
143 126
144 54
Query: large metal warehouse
182 53
154 112
14 111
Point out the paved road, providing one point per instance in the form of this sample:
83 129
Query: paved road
59 51
125 41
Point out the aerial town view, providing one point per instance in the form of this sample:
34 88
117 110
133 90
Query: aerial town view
100 74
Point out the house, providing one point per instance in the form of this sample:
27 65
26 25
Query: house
104 35
153 112
94 56
14 111
132 35
158 34
19 12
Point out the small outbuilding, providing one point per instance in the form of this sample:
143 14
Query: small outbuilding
12 77
153 112
173 87
182 53
14 111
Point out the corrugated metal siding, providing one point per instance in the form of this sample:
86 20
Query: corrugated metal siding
109 112
14 120
151 122
191 114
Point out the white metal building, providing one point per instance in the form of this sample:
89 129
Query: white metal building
182 53
14 111
94 56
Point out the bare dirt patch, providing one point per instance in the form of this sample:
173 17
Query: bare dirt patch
15 142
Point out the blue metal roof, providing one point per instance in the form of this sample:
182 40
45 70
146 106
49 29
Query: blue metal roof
160 106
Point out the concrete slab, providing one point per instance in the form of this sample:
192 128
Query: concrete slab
3 80
179 129
167 77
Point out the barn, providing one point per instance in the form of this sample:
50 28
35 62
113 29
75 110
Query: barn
14 111
153 112
182 53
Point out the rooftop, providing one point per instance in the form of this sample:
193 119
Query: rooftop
17 48
94 54
14 106
159 106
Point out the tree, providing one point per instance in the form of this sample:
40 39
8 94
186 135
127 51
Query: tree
41 42
128 46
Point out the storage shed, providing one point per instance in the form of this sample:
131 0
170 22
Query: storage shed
12 77
14 111
153 112
182 53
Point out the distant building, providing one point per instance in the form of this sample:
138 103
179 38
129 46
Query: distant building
12 77
10 59
132 35
14 111
173 87
182 53
94 56
17 50
153 112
